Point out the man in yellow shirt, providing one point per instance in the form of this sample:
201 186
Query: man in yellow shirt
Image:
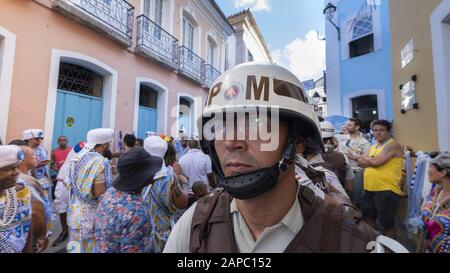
382 178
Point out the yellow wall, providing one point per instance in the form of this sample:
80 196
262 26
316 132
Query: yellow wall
411 19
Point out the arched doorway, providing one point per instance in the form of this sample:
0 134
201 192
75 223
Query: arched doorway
79 103
7 53
186 115
366 109
148 109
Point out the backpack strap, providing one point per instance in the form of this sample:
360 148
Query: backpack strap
317 177
331 226
204 210
331 229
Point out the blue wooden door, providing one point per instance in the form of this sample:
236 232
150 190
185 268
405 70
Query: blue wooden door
147 121
75 115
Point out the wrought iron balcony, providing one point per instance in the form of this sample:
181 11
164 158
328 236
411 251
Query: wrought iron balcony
191 65
111 17
211 74
156 43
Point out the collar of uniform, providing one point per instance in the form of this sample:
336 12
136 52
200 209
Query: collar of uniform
291 220
317 159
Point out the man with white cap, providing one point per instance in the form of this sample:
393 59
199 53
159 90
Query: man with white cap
89 177
165 196
34 138
15 203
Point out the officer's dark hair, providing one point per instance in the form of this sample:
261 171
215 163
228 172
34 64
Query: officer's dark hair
129 140
382 122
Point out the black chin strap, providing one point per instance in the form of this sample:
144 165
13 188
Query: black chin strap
254 184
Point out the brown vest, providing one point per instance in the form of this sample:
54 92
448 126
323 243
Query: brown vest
330 227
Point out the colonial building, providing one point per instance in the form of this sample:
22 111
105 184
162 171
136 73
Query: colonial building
359 72
420 40
69 66
247 45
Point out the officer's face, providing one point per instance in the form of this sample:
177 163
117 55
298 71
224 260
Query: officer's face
245 156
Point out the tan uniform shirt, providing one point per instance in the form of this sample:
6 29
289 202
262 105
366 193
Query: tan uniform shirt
274 239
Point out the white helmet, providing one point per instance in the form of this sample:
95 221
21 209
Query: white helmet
327 128
260 86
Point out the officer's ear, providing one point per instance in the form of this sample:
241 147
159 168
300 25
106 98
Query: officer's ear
300 145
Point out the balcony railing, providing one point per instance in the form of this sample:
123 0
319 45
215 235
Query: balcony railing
191 64
211 74
154 38
117 14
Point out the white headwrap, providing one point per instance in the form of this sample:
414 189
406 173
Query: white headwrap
99 136
32 133
156 146
10 155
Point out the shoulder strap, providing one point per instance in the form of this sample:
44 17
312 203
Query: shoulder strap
203 213
331 229
317 177
330 226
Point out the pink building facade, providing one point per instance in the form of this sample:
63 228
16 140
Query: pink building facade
73 65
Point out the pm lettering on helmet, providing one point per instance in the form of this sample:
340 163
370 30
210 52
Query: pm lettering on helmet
252 85
259 90
215 90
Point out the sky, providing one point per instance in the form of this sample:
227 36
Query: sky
290 30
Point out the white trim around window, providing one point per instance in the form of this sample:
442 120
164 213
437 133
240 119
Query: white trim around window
440 33
381 99
7 52
185 14
110 77
348 37
162 103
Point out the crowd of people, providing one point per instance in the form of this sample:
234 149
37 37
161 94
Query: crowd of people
165 194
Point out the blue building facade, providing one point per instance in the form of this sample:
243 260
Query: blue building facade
359 72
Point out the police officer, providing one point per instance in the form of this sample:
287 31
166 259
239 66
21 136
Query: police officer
261 207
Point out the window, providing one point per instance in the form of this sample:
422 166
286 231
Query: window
158 12
362 27
211 49
148 97
362 37
227 62
77 79
147 8
366 109
361 46
188 34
